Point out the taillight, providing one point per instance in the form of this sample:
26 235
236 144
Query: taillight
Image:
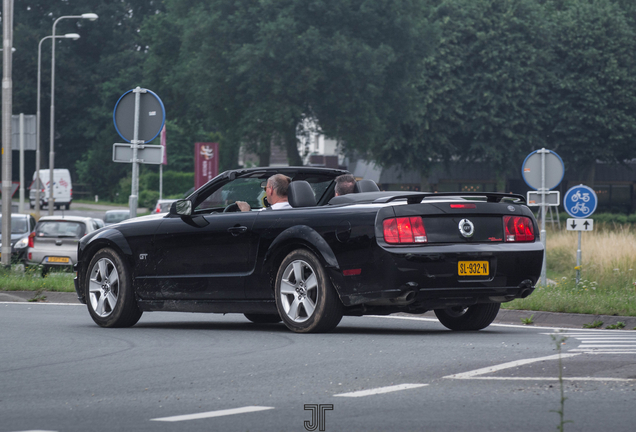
404 230
31 239
463 206
518 229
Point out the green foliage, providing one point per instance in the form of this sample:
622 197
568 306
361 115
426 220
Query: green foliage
594 87
483 90
527 321
593 324
263 68
619 325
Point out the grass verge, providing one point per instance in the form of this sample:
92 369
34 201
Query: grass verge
16 279
608 273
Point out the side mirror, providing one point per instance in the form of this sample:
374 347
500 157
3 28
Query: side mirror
181 207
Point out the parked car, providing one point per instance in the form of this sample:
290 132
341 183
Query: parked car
163 205
116 216
99 223
459 254
62 188
54 242
21 226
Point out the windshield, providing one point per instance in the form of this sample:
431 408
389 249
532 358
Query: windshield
251 190
60 229
19 225
115 217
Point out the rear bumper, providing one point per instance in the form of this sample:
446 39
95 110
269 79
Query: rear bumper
428 275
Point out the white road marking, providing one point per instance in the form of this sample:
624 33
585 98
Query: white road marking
491 369
41 303
34 430
549 379
606 346
554 328
610 342
211 414
380 390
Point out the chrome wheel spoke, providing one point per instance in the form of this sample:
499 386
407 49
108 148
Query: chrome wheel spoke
100 306
293 309
94 286
312 282
287 287
298 271
103 269
111 300
309 306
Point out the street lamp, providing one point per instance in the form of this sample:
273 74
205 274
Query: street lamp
73 36
88 16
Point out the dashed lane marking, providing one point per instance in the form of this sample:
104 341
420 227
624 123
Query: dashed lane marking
210 414
380 390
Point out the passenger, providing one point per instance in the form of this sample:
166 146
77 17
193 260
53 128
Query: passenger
276 191
345 184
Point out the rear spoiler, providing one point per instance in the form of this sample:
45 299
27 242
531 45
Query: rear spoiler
417 197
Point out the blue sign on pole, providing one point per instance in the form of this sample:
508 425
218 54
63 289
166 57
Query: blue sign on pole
580 201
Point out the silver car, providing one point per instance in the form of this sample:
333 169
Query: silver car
54 242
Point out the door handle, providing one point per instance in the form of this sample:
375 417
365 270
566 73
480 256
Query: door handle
235 231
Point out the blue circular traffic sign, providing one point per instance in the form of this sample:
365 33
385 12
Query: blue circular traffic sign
580 201
152 116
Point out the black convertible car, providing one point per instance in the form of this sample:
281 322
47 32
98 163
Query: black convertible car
369 252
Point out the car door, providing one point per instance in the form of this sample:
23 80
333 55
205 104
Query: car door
202 257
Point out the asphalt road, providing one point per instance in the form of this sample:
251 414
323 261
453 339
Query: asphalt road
197 372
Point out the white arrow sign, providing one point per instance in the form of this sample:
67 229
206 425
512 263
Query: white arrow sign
580 224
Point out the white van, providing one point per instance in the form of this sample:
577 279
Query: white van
62 188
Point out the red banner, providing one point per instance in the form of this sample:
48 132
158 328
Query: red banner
206 163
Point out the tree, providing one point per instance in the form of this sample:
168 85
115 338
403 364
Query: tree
91 73
260 69
482 92
594 88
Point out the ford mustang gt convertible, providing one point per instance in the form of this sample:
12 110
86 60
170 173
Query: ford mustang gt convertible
368 252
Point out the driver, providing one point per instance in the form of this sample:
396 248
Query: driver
276 191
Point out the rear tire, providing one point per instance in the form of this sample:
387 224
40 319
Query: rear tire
109 291
68 206
263 318
306 300
472 318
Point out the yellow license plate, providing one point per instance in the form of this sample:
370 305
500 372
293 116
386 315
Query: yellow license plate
58 259
472 268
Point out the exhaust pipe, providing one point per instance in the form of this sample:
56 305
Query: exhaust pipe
525 288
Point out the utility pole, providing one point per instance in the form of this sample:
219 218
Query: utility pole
7 110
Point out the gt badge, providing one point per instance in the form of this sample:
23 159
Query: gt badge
143 256
466 228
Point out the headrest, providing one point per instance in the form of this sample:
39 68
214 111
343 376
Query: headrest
300 194
366 185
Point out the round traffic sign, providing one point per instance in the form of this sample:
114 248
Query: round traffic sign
152 116
531 169
580 201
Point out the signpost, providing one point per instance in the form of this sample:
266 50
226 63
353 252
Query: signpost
543 170
139 116
579 202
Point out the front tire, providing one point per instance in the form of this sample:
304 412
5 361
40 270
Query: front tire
108 289
471 318
306 300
